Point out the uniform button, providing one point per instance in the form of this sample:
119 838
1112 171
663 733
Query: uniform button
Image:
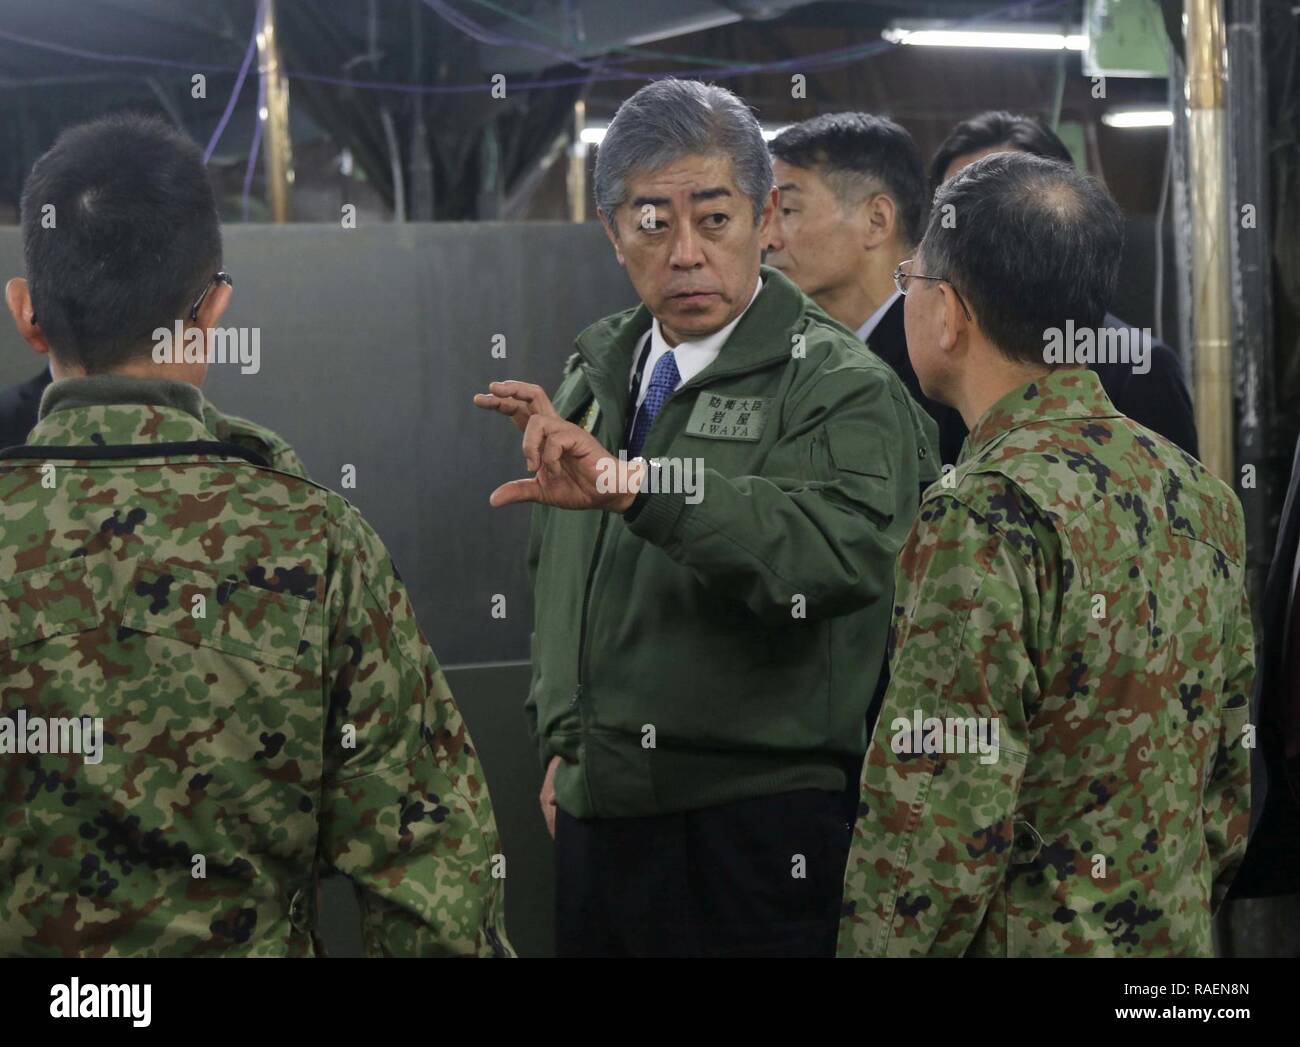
1028 843
299 911
923 451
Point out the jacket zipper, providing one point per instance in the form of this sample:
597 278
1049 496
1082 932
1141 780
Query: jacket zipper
582 655
586 602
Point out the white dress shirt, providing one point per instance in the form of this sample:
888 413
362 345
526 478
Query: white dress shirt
692 357
864 332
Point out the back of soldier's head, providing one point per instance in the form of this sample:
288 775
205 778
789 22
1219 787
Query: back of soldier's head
120 236
1031 243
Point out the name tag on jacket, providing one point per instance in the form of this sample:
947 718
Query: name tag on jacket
728 417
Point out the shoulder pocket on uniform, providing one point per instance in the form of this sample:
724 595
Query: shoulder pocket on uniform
860 452
46 602
228 614
856 449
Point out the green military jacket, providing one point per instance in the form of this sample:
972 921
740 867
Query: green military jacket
1079 582
725 644
269 707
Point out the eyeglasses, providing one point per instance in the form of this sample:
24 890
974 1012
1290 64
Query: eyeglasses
904 276
222 277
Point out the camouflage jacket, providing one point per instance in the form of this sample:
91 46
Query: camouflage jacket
1076 583
268 705
270 445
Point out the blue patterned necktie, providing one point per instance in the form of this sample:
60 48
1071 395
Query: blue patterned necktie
662 383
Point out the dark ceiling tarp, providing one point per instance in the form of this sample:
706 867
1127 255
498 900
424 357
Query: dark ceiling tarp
55 71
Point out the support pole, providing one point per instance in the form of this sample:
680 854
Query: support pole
275 116
577 174
1211 245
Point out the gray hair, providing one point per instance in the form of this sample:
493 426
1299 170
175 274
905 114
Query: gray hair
670 119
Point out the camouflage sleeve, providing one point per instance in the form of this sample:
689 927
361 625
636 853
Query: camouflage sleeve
1225 810
270 445
405 812
946 760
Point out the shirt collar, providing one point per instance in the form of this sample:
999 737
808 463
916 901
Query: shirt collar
112 409
864 332
1067 392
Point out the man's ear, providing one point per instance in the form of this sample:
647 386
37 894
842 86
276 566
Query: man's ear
955 325
19 299
612 233
214 305
878 217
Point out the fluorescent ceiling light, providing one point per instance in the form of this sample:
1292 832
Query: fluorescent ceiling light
1138 118
1027 38
595 134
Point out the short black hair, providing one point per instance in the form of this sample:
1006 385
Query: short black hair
858 150
132 240
1030 244
1025 134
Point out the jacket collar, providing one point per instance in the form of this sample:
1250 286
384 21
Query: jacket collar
111 409
1067 392
608 345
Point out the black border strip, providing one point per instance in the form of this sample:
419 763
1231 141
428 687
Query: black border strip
93 452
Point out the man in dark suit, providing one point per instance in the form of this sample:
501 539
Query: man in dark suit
18 407
1158 398
853 204
1272 863
853 201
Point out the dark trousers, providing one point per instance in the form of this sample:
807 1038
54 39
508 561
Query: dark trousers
760 877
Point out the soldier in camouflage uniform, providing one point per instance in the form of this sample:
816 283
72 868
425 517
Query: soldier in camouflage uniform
1077 581
269 705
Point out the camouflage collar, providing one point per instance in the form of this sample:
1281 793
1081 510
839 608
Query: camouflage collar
110 409
1067 392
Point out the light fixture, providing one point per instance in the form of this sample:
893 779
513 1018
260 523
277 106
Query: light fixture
1022 37
595 134
1138 118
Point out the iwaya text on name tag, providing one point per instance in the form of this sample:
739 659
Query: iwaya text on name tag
728 417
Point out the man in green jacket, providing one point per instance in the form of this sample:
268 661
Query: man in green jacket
711 621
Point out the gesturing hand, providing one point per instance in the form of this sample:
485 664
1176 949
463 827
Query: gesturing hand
519 401
572 470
